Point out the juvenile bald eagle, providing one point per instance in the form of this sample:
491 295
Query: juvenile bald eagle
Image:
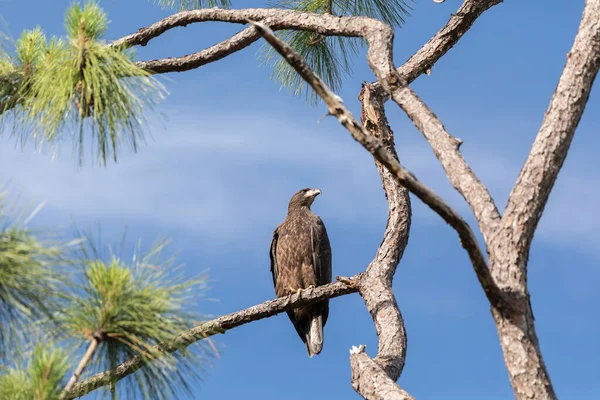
300 259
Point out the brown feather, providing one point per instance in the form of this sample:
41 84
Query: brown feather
300 256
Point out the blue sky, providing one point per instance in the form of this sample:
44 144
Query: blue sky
232 148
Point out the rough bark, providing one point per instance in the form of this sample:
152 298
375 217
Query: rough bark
376 286
378 150
219 325
371 381
510 249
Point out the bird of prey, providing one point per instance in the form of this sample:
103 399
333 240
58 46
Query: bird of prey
301 259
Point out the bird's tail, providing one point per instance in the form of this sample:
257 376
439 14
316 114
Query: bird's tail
314 336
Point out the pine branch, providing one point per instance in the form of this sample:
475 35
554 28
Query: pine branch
219 325
87 357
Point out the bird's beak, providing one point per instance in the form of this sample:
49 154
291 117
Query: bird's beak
313 193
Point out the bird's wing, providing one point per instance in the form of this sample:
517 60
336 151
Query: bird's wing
273 256
314 251
321 252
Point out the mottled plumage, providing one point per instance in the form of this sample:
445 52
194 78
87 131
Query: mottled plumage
300 258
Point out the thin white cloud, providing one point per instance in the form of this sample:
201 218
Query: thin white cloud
217 176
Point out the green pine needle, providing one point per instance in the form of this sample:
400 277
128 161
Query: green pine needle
42 379
78 84
330 57
131 308
32 287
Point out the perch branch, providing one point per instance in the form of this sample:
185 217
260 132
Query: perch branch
215 326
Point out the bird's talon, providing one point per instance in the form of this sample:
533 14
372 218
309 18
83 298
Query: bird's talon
292 291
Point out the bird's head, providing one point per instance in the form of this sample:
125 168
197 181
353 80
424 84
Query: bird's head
303 198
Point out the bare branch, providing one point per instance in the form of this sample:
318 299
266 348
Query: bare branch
509 251
444 145
530 193
221 50
406 178
435 48
215 326
376 285
325 24
370 380
446 149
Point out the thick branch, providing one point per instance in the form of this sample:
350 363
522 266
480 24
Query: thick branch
376 285
280 19
370 380
382 155
530 193
219 325
509 251
445 146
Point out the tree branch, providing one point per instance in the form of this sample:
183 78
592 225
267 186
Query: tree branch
509 251
87 357
532 189
325 24
219 325
370 380
221 50
446 148
376 285
440 43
